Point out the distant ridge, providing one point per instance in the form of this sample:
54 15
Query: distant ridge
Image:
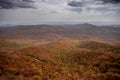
52 32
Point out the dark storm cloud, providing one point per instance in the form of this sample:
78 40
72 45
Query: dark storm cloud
111 1
76 4
83 3
10 4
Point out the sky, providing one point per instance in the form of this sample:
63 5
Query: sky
59 11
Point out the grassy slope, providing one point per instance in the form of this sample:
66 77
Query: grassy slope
4 43
61 60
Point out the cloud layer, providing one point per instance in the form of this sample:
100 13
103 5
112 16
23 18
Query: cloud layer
60 11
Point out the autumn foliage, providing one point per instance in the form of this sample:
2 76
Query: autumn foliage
61 60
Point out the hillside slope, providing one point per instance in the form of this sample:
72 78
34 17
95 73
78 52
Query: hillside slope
61 60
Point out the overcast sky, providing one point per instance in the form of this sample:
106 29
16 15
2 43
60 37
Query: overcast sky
55 11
